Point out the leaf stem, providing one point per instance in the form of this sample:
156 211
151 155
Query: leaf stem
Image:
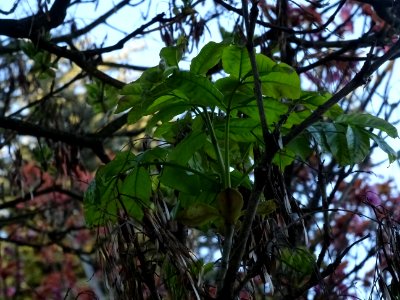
227 152
216 147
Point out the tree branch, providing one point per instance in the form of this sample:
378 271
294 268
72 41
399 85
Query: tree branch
358 80
32 26
94 24
92 142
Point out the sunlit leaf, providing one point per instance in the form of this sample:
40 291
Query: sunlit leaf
236 61
208 57
171 55
198 90
265 64
281 85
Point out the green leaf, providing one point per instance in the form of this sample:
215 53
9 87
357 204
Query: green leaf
197 89
281 85
208 57
318 138
173 132
368 121
151 78
180 179
135 114
336 139
312 100
392 155
101 97
99 202
266 208
241 130
137 185
236 61
171 56
284 158
123 161
348 144
265 64
132 208
158 154
127 102
140 96
358 143
168 113
198 214
187 147
89 204
299 260
136 192
230 204
274 109
239 179
133 88
235 93
301 146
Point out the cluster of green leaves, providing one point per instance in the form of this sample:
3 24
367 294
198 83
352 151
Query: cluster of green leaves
207 130
44 65
101 97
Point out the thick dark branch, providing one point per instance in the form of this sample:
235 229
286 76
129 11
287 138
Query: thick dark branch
92 25
120 44
330 269
25 128
28 196
284 28
33 26
83 62
123 66
11 10
65 248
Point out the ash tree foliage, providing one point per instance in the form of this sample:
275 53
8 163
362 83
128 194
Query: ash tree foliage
244 164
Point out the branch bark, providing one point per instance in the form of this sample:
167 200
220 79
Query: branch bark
92 142
34 26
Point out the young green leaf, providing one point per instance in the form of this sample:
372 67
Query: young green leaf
265 64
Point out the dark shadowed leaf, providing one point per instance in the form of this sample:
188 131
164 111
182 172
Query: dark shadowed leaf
368 121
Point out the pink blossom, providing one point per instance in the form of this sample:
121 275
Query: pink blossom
372 197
